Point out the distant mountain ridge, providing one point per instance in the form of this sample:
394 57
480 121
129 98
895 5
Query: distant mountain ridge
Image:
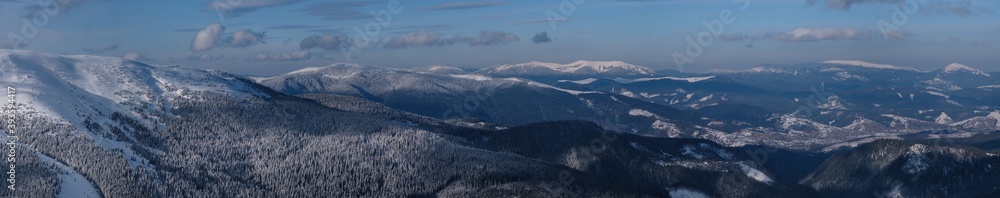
575 69
834 101
505 100
620 69
869 65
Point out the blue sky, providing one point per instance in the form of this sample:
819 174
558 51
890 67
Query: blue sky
267 37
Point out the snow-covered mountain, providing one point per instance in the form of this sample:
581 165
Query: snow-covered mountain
87 93
819 103
738 109
110 127
955 67
100 111
958 76
509 101
72 88
980 123
580 68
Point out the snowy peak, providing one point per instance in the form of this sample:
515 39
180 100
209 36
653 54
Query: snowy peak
578 68
337 70
943 119
955 67
438 69
320 69
869 65
605 66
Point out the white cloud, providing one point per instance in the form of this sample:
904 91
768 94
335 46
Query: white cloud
63 6
326 42
493 37
212 36
207 38
232 8
435 39
957 7
818 34
414 39
893 34
809 34
245 38
541 37
204 57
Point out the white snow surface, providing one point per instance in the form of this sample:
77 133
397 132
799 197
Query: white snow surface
308 70
578 67
690 150
530 83
582 82
869 65
443 68
640 112
687 79
472 77
989 87
72 184
941 85
438 69
938 94
755 174
687 193
574 92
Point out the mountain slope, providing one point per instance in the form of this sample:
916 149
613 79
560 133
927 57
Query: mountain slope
901 169
135 130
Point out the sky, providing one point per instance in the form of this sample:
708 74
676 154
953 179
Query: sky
269 37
